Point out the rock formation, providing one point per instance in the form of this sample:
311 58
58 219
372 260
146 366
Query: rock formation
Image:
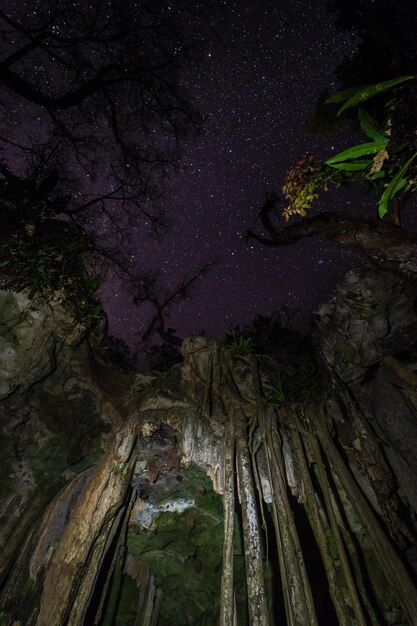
232 489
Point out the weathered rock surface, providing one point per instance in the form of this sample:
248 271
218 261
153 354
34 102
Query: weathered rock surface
366 335
371 314
30 338
112 484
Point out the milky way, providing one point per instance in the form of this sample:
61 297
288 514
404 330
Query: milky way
257 82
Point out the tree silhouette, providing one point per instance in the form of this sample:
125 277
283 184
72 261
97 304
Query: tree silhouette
102 85
93 111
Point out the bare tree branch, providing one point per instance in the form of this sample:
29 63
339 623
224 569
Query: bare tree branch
150 293
106 80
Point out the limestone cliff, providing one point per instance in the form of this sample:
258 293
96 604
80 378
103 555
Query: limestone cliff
233 489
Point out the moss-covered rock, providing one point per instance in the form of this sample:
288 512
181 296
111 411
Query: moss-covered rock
180 543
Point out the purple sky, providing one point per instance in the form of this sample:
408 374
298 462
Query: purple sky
256 84
262 67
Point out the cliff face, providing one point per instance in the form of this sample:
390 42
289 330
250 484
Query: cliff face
232 489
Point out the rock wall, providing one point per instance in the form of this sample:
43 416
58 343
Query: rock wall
233 489
366 336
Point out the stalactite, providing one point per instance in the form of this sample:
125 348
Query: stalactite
156 607
298 599
148 611
227 608
296 587
232 402
324 484
369 456
389 560
120 531
71 573
32 560
338 592
258 610
336 586
285 448
256 475
111 603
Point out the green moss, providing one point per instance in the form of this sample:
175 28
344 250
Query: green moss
127 605
183 551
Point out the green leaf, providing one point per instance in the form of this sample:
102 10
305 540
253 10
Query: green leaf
396 184
354 166
357 151
364 93
342 96
368 126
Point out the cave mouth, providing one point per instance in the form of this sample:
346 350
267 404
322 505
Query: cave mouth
164 561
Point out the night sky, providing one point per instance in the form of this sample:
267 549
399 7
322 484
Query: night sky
256 84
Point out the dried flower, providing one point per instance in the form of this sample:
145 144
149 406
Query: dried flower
299 187
379 161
